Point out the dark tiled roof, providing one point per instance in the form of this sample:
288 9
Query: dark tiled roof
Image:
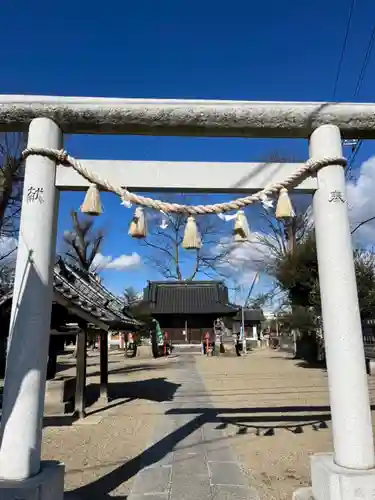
84 292
250 315
188 297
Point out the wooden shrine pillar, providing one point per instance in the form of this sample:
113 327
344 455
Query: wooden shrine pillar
104 365
52 357
81 367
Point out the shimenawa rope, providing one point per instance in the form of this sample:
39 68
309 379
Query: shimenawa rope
62 157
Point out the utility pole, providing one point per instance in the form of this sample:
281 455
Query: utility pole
251 289
243 311
244 346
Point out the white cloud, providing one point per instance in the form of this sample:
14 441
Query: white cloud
361 201
122 263
101 262
244 260
8 246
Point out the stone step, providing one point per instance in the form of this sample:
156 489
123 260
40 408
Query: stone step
55 408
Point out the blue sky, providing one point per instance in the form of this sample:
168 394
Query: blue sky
268 50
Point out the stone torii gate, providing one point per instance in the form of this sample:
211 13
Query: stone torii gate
346 474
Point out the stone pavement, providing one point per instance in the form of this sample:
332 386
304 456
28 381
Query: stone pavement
188 457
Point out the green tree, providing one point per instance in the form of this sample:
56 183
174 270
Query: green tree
138 309
297 275
132 297
297 272
365 274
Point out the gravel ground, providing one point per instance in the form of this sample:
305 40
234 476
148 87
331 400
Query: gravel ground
268 393
116 434
274 412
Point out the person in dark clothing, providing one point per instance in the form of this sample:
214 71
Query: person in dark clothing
238 344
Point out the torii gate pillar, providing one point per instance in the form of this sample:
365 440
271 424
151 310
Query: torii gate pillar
21 473
349 473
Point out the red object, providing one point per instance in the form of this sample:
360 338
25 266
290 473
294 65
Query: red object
207 338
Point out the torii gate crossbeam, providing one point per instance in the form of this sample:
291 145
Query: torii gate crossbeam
204 118
346 475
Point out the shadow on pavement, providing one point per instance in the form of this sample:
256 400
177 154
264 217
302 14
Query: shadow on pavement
315 365
130 369
100 489
155 389
264 419
119 393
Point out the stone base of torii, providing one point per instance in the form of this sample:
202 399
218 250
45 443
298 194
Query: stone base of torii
348 473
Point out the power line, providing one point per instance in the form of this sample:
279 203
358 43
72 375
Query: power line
355 151
366 60
362 73
341 60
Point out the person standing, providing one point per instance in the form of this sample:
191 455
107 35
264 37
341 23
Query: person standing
237 343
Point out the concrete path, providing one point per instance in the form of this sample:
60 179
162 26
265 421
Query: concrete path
188 457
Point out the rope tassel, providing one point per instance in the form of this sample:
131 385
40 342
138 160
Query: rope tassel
192 239
295 178
241 228
284 207
91 204
137 227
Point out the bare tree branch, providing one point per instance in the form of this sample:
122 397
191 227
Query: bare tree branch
7 254
170 259
11 182
82 242
362 224
11 188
